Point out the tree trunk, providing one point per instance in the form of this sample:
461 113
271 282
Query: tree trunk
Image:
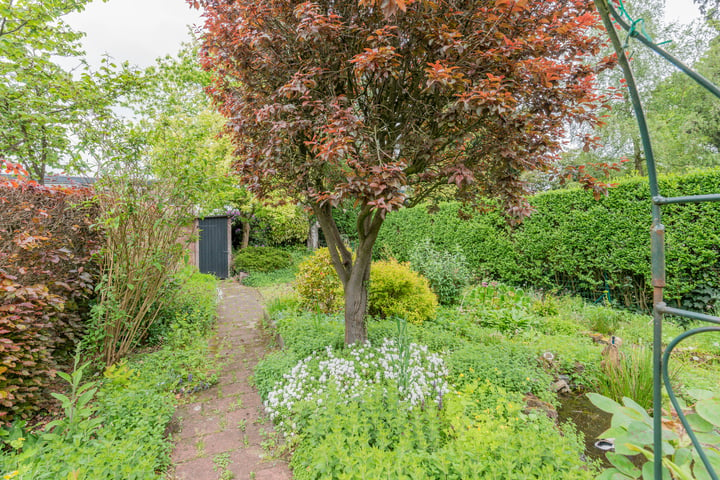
638 157
353 275
356 303
313 236
245 234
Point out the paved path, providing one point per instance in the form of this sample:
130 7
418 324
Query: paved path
220 431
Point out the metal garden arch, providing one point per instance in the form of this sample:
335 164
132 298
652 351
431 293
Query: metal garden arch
660 357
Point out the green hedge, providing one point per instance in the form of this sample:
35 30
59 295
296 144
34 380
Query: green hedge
576 243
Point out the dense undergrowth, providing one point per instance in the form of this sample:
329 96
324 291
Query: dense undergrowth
499 350
114 425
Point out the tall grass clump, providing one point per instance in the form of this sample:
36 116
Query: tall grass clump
629 375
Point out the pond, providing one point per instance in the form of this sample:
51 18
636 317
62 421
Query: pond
588 419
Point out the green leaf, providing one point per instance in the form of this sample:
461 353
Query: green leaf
698 424
86 397
65 377
640 433
612 474
648 471
62 398
623 464
633 405
683 456
699 394
709 410
604 403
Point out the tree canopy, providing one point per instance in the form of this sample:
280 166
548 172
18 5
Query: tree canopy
382 103
45 108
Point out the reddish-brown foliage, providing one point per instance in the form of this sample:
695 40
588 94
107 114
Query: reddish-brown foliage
383 101
47 276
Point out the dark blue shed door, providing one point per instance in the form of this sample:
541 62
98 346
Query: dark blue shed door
214 246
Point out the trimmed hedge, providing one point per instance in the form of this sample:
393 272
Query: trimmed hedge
576 243
261 259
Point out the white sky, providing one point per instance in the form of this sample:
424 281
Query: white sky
681 10
139 31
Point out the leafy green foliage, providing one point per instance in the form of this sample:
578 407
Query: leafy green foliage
270 370
445 270
575 243
512 367
46 283
630 374
115 428
397 291
280 225
47 111
317 283
145 228
305 333
632 429
189 311
377 438
506 309
491 436
261 259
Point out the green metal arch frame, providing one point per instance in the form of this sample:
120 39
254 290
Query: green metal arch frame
661 358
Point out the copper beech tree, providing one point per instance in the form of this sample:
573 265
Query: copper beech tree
382 102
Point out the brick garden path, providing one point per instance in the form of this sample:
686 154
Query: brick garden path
219 432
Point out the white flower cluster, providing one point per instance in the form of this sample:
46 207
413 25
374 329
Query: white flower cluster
417 375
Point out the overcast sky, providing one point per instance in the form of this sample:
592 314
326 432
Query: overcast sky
139 31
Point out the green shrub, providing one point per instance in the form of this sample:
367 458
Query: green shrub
603 319
317 283
500 307
190 310
261 259
48 276
283 275
491 437
445 270
575 243
374 437
283 304
397 291
283 225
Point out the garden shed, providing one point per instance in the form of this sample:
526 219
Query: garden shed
212 251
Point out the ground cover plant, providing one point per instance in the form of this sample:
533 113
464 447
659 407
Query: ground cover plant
505 354
114 425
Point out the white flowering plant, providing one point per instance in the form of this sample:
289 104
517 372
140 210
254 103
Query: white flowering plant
415 375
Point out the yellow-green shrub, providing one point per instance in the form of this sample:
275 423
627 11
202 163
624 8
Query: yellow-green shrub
317 283
397 291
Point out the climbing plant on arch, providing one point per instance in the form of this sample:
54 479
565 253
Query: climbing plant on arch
382 102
